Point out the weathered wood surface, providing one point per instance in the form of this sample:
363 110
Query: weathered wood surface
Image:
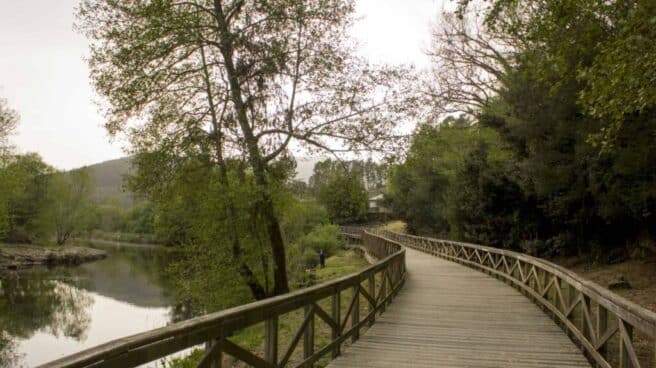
611 330
448 315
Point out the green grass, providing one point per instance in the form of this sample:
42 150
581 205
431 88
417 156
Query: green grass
344 263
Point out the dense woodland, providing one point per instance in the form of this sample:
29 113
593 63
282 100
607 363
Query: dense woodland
549 144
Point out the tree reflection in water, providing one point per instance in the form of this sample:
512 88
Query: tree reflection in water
49 312
8 355
33 302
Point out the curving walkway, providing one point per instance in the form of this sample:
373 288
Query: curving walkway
448 315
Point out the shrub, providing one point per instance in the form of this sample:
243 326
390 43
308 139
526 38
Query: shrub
324 237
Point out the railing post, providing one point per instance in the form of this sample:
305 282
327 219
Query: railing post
355 315
271 340
308 336
337 318
372 292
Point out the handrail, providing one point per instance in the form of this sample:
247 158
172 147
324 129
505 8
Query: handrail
384 279
352 231
591 314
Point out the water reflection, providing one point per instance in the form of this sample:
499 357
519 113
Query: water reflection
49 313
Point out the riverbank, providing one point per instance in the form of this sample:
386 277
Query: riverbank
14 256
116 243
134 238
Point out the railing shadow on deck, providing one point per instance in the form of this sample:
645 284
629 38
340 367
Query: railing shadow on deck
591 315
382 282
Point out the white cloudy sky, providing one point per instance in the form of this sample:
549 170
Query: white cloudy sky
44 77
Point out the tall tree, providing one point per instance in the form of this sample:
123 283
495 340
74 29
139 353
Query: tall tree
340 188
69 194
8 122
251 77
545 77
606 47
25 190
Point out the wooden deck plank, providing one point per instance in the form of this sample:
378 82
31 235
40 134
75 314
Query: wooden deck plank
448 315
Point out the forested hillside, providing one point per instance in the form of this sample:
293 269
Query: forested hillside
109 178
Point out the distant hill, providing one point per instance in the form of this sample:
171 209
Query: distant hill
109 178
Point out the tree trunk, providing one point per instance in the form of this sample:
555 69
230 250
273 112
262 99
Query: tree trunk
255 158
245 272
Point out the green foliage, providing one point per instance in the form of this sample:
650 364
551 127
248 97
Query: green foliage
485 206
340 188
24 197
322 237
565 87
588 197
420 189
189 361
190 207
607 48
299 217
69 196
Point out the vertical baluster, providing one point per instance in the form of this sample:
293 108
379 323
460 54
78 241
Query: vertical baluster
271 340
383 291
217 361
355 315
542 281
336 317
308 336
571 297
602 325
624 355
585 303
372 293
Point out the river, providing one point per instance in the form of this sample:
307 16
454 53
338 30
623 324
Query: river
47 313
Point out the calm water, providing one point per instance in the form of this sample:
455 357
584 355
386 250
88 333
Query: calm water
49 313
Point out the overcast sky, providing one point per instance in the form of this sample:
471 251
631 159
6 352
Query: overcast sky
44 77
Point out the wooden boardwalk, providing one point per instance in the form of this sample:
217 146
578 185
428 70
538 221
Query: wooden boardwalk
448 315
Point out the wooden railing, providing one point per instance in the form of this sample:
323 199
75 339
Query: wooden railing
610 330
354 232
381 280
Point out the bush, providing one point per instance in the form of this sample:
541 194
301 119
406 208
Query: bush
309 258
324 237
304 253
301 217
